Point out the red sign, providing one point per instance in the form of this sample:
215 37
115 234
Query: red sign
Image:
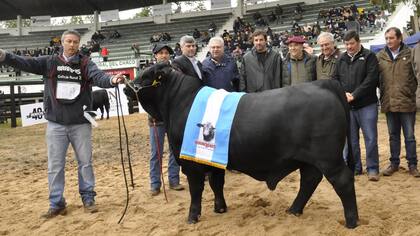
129 72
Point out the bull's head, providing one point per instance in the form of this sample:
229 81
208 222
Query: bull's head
208 131
150 91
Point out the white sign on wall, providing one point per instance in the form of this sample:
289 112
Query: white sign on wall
110 15
215 4
40 20
113 102
162 9
32 114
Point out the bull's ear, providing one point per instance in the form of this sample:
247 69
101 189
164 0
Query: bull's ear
162 70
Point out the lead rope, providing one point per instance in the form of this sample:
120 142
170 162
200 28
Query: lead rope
122 156
159 158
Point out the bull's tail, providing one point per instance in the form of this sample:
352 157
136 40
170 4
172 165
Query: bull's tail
336 88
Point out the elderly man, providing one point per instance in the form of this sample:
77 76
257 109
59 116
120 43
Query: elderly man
68 80
261 67
220 70
298 65
325 63
357 72
398 86
187 63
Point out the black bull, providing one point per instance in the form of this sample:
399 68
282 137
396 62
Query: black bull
273 134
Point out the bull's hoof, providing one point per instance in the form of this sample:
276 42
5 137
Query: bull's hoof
352 224
220 207
294 212
102 118
107 118
193 219
220 210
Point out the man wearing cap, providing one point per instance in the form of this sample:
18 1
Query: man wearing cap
298 65
162 53
357 72
220 71
187 63
261 67
325 63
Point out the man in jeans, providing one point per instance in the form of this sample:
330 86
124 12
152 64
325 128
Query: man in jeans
357 71
398 86
162 53
68 79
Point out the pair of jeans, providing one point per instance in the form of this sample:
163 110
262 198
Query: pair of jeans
173 167
365 118
58 138
406 121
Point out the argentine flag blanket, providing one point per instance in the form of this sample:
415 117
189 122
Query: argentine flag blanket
207 132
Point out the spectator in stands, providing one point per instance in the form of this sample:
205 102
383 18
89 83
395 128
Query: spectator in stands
136 49
104 53
398 86
272 17
259 20
84 50
177 50
298 8
261 68
156 37
162 53
325 63
279 12
220 70
352 24
212 29
65 104
115 35
357 72
298 65
187 63
166 37
196 34
237 25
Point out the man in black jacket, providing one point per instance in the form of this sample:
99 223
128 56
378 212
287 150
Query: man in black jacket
187 63
357 71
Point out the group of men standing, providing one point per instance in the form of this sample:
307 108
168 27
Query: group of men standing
359 71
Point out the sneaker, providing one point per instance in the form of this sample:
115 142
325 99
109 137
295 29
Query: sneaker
90 207
176 187
373 176
390 170
155 192
414 172
53 212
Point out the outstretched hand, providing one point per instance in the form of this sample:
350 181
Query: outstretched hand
118 79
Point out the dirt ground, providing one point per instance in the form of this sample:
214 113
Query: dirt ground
388 207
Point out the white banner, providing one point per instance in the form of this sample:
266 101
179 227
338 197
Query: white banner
110 15
215 4
40 20
108 65
113 102
32 114
162 9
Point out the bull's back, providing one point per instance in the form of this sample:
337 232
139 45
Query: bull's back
285 121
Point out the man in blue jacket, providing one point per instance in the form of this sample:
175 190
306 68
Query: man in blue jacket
220 71
68 79
357 71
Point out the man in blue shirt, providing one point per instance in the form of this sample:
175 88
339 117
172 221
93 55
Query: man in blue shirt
220 70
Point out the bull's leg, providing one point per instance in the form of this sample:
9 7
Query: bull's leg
309 180
217 181
107 109
196 185
342 179
102 112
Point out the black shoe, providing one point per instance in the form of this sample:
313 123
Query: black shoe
390 170
90 207
53 212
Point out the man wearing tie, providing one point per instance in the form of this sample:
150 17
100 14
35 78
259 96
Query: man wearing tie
187 63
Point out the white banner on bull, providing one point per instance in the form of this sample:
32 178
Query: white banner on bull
32 114
113 102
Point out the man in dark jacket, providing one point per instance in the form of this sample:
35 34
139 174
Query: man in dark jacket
398 86
187 63
357 71
261 67
68 80
220 70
